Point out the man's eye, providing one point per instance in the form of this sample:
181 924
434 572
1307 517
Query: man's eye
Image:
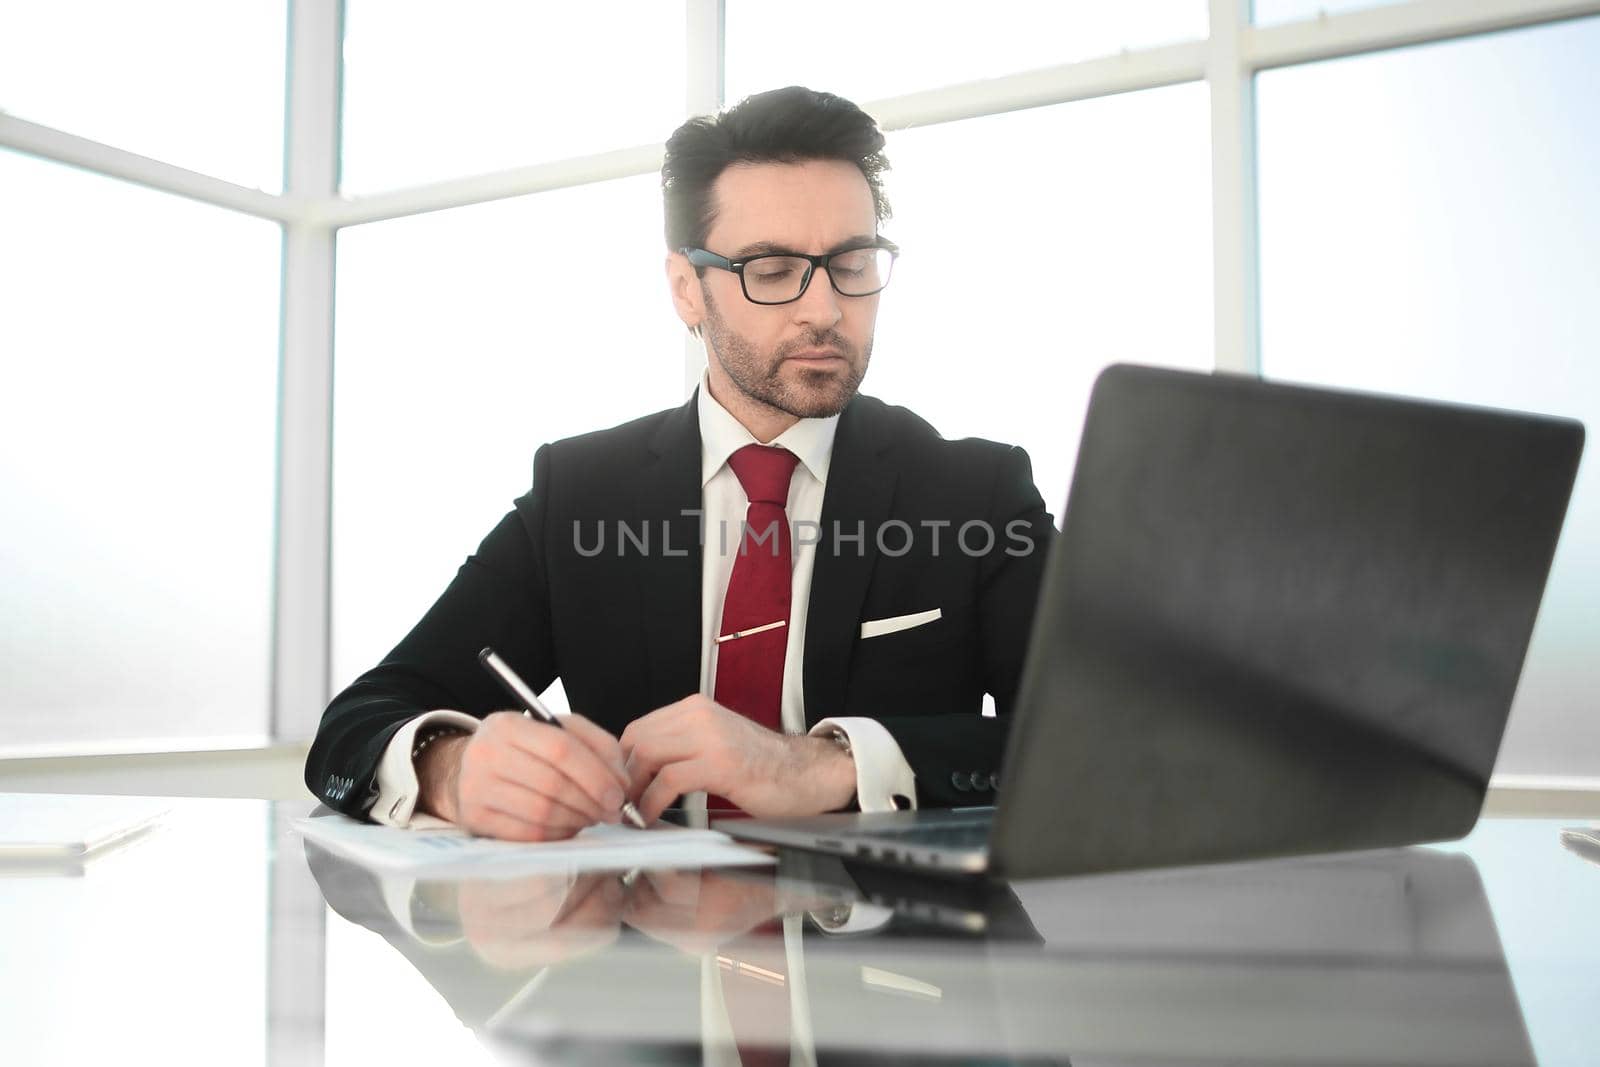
773 274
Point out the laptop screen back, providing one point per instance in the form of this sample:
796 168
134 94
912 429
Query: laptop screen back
1279 620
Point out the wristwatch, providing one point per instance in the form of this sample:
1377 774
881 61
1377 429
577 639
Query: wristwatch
842 739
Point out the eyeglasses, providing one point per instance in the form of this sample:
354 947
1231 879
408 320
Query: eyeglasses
782 279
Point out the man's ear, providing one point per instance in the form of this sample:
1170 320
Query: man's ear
683 282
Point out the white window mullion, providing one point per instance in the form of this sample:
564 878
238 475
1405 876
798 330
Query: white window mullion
703 96
1235 250
311 153
704 69
1400 25
63 147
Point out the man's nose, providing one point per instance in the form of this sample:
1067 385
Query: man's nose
818 306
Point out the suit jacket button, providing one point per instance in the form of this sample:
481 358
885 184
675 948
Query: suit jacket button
960 782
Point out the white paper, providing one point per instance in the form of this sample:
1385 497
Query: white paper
452 853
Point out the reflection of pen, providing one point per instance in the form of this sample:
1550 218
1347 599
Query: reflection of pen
534 708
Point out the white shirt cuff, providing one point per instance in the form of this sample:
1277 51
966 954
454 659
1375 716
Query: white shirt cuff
397 776
884 780
859 917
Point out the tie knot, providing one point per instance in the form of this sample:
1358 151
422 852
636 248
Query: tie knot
764 472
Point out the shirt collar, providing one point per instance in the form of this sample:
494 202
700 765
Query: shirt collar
721 435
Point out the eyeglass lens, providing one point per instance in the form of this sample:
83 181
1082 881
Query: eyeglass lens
779 279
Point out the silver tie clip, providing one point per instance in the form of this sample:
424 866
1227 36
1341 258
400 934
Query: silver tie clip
752 630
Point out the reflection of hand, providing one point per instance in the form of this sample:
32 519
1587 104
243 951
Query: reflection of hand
699 744
696 911
534 922
524 780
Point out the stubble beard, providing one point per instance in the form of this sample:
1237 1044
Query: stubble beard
820 394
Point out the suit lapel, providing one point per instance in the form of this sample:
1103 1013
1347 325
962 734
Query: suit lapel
667 486
857 500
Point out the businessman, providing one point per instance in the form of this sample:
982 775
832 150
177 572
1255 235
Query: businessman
782 597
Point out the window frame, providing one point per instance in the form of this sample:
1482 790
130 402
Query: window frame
311 213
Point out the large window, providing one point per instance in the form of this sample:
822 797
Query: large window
1268 12
1071 184
1026 270
465 340
435 91
870 51
191 82
1429 227
136 462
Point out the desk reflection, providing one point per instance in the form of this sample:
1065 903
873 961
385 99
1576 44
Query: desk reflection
1387 957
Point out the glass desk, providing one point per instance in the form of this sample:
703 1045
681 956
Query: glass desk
221 937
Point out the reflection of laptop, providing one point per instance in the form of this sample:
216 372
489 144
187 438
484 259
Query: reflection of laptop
1382 957
1278 620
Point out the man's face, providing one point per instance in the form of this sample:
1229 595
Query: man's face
804 358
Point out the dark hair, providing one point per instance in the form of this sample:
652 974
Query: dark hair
781 126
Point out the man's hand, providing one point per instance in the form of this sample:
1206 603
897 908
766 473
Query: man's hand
524 780
542 920
699 744
699 911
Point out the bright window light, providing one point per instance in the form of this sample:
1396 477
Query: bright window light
194 83
137 461
1428 227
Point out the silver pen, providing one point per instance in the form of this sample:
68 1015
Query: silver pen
534 708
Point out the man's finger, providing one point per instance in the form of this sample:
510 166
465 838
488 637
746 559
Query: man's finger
491 822
662 720
522 769
521 903
648 758
669 783
551 779
518 799
597 904
600 742
573 758
506 762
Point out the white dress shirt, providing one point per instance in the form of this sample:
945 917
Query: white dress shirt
883 776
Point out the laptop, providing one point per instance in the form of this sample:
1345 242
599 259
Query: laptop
1278 620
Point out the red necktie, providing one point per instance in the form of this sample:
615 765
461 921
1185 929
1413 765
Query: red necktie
749 672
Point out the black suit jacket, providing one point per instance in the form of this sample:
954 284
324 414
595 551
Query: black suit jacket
621 626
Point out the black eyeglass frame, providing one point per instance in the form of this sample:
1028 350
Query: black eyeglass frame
700 258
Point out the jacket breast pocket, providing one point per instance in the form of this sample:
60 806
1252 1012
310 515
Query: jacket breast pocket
923 670
901 642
